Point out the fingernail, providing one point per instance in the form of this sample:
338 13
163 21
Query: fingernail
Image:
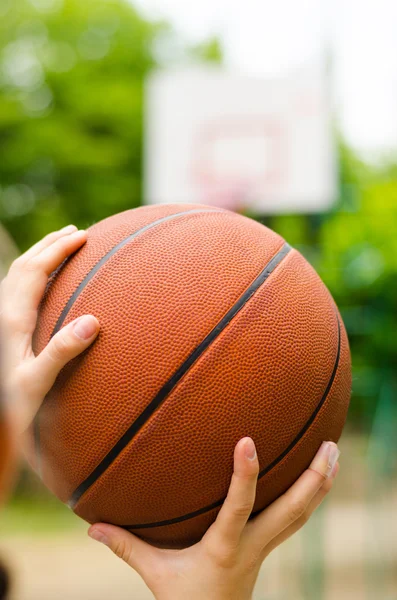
79 232
98 536
250 450
68 229
85 327
326 458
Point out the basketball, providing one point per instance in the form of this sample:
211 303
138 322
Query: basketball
212 328
7 453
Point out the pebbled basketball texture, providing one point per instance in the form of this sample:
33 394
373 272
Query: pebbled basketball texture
212 329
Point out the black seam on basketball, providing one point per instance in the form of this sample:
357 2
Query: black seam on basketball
176 377
87 279
111 253
264 471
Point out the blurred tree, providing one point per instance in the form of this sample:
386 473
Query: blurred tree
71 90
8 251
359 264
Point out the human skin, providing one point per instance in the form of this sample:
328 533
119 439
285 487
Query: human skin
225 564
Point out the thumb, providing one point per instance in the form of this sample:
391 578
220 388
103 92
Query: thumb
68 343
39 375
135 552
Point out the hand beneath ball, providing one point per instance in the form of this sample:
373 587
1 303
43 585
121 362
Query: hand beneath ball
225 564
29 378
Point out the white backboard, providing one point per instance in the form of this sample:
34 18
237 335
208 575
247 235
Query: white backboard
229 140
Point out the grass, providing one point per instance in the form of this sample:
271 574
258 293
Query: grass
25 516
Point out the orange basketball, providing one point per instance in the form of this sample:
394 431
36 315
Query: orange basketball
212 328
7 453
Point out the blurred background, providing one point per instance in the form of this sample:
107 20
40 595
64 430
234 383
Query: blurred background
86 127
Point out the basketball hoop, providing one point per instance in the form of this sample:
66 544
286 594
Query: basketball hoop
240 142
235 159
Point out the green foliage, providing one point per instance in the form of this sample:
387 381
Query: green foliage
359 263
71 107
209 51
34 515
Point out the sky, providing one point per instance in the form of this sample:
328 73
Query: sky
269 37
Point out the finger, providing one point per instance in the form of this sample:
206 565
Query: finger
54 254
292 505
240 499
19 263
68 343
314 504
47 241
23 292
135 552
